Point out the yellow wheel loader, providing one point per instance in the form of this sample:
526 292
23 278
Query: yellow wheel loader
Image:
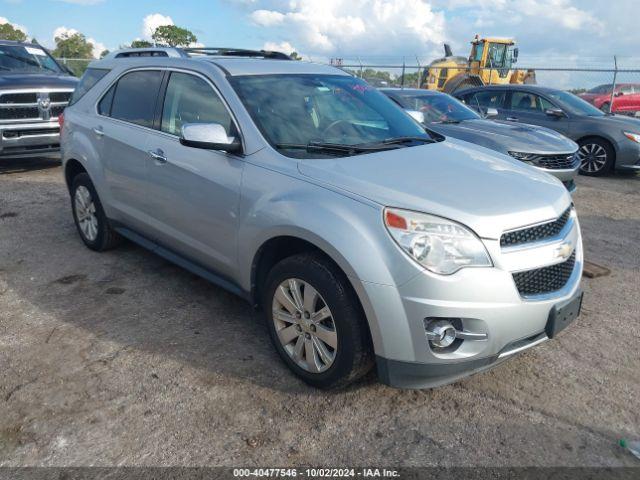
490 62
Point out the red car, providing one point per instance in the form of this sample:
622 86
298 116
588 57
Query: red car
626 98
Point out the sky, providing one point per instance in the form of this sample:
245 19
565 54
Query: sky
575 32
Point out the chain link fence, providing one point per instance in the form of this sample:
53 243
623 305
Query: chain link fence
610 83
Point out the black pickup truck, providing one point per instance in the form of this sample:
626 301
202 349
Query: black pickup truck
34 90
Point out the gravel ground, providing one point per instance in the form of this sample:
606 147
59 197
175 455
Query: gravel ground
121 358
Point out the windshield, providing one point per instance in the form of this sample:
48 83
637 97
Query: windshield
575 104
437 108
26 59
327 109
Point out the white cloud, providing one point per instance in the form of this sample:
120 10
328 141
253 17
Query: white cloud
266 18
153 21
284 47
98 47
4 20
371 26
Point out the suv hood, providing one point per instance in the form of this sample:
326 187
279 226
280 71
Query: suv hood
507 137
36 80
486 191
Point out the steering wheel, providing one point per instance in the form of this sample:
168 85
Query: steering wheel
334 125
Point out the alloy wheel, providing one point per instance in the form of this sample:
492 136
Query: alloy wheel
593 157
86 213
304 325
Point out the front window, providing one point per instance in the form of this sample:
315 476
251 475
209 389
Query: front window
438 108
299 110
574 104
26 59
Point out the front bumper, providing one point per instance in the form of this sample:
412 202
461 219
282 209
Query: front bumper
29 139
485 301
628 155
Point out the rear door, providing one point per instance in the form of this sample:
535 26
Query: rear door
528 107
126 114
627 99
194 194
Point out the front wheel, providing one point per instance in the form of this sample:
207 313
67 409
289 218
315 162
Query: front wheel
605 107
596 157
88 214
316 323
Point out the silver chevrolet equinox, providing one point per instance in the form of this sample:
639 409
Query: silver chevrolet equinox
363 239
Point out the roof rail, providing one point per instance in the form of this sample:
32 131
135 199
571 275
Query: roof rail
176 52
236 52
148 52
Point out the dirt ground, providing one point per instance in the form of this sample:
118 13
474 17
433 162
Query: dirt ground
122 358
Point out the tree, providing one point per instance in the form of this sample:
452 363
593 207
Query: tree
173 36
141 44
295 56
9 32
73 46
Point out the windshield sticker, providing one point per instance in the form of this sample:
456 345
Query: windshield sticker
35 51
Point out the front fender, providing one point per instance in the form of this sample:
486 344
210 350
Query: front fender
349 231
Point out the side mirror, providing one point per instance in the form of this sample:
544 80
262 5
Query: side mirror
555 112
209 136
491 112
515 54
418 116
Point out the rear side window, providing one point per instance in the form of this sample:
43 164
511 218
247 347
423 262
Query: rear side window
87 82
135 97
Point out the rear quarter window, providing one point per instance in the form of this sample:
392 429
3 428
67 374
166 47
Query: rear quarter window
87 82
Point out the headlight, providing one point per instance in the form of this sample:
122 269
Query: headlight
634 137
438 244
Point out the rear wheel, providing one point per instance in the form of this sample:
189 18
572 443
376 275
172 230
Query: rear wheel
88 214
316 323
596 157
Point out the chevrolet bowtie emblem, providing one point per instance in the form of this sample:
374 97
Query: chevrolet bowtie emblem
564 251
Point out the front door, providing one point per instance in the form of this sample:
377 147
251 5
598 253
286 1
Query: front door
527 107
194 194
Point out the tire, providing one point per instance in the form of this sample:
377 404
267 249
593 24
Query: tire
87 209
605 107
345 328
596 155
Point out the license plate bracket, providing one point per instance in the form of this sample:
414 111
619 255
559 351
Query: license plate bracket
563 314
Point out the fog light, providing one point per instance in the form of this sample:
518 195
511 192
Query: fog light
441 333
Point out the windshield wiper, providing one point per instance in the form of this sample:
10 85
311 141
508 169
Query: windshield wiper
332 148
450 122
401 140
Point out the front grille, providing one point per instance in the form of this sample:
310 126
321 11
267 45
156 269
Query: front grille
30 106
57 111
19 113
536 233
546 279
550 162
60 97
9 98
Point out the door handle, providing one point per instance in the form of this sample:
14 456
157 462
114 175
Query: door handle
158 156
98 131
512 119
